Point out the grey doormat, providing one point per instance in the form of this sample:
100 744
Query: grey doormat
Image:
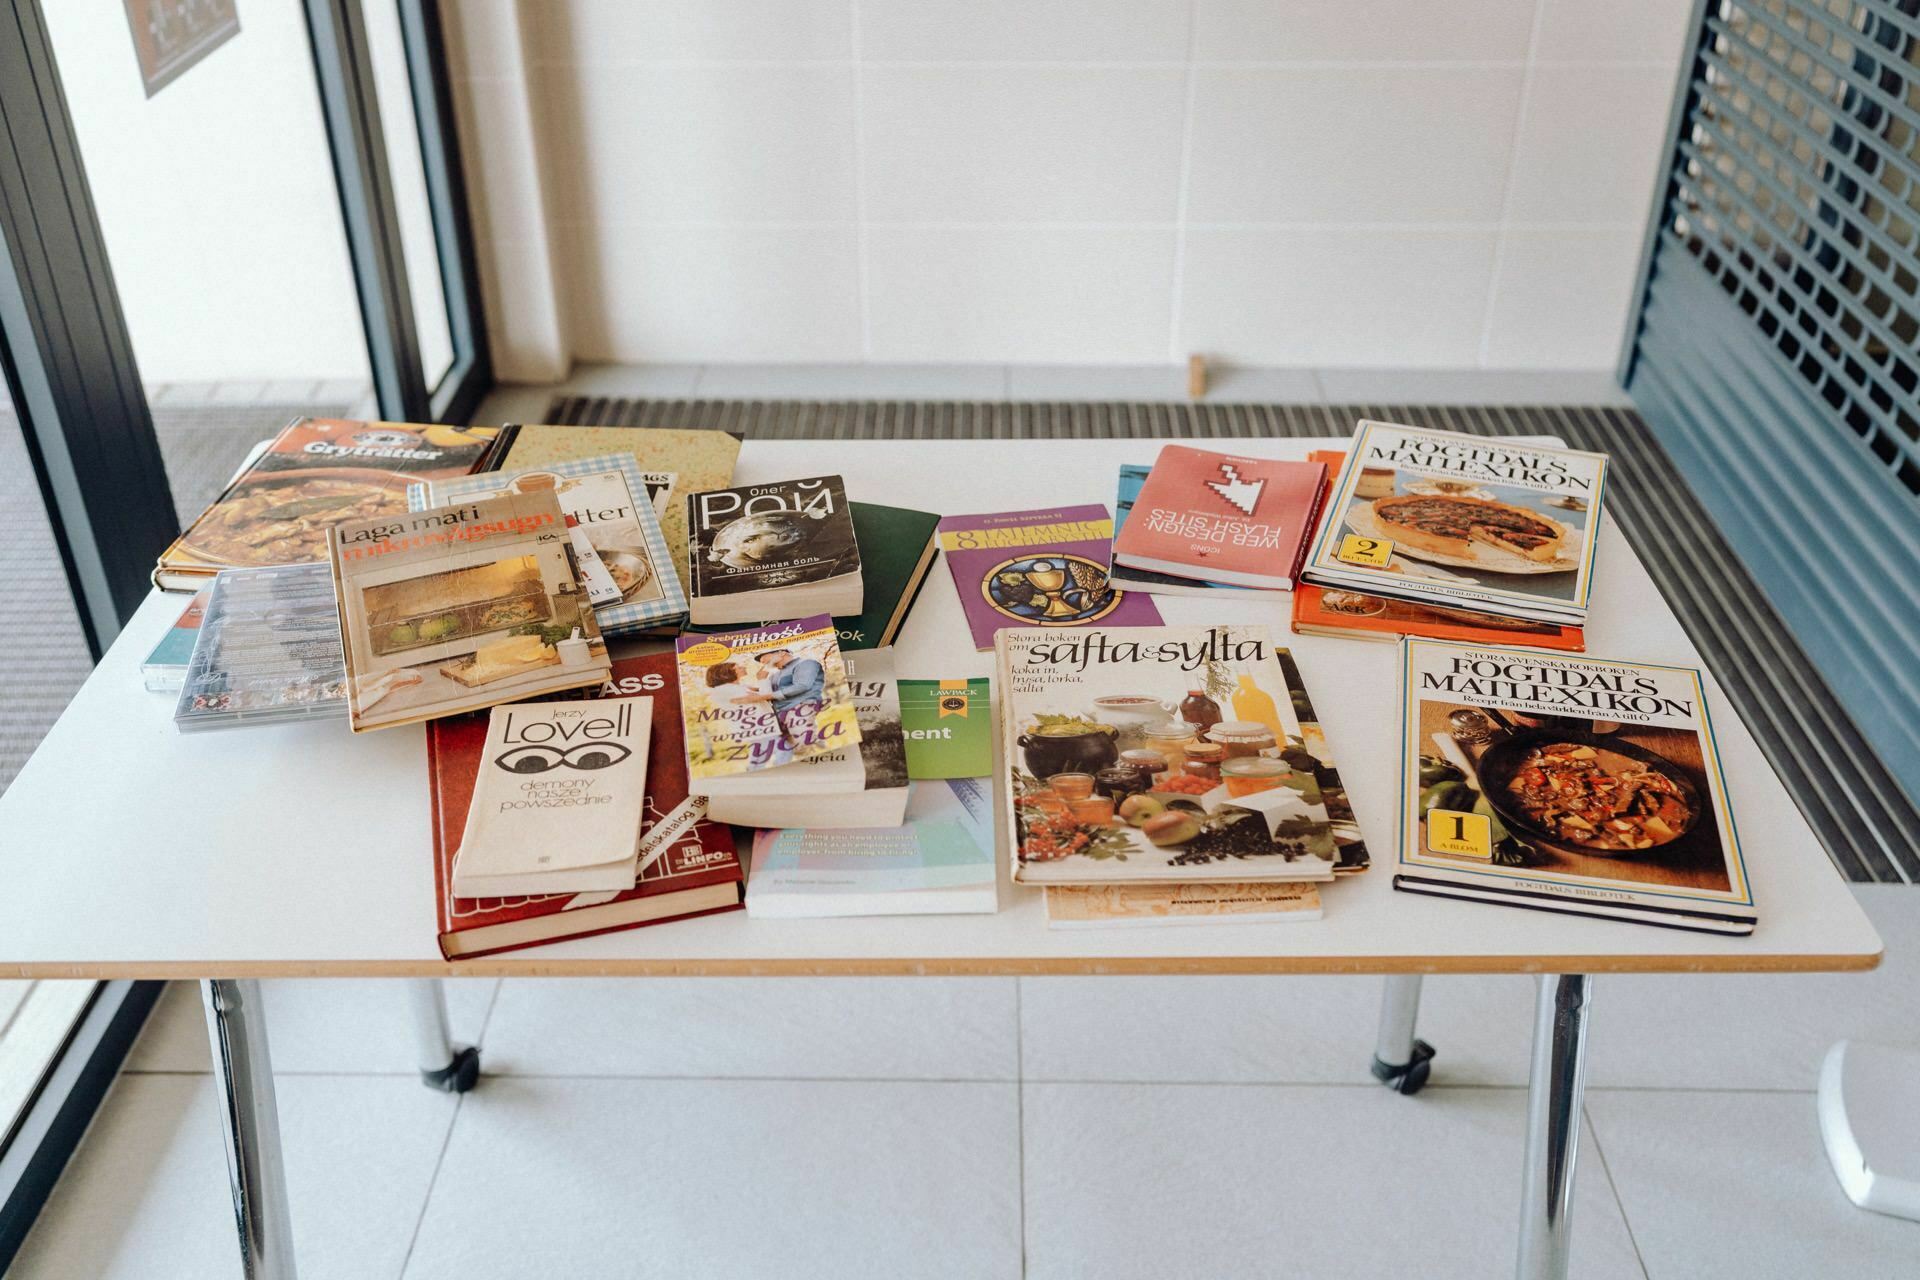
1868 825
48 662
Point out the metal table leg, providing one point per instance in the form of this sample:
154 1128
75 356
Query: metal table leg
243 1071
1554 1095
443 1064
1401 1061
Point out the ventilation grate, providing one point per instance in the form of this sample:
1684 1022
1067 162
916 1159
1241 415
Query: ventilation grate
1796 185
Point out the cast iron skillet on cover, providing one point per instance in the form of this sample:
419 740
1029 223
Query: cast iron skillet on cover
1506 753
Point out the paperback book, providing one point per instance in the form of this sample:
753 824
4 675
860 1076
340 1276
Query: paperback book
1138 906
1463 521
460 607
779 550
685 863
1121 764
859 784
948 726
690 459
1045 568
1566 784
1132 476
559 800
1222 517
608 500
939 861
316 473
763 697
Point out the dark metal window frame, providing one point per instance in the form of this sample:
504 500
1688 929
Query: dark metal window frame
344 69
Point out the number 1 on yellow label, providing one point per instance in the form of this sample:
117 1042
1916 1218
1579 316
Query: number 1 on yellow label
1463 835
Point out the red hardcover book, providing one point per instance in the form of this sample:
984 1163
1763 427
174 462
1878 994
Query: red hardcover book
1222 517
698 873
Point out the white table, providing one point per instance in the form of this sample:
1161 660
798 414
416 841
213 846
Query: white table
129 850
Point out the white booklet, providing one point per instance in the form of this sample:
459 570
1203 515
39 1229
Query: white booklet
559 802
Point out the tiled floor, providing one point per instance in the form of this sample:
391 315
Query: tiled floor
1110 1127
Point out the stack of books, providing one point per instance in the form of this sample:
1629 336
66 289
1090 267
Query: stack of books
1201 521
1435 518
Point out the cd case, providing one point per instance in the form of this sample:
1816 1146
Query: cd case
268 651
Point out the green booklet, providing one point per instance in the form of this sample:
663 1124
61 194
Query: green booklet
949 728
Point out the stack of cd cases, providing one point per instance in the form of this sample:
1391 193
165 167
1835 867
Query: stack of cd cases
268 651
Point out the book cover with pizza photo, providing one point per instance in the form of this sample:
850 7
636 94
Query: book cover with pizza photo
1465 521
460 607
1566 784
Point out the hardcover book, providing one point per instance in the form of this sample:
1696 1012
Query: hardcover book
861 784
1463 521
1132 476
610 500
940 861
559 801
779 550
1045 568
316 473
694 459
1143 754
460 607
1222 517
897 546
763 697
686 863
1566 784
1137 906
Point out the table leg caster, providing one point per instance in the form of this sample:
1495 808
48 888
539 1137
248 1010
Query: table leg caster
457 1076
1409 1076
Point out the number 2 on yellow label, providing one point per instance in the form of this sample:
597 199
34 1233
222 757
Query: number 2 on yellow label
1463 835
1357 549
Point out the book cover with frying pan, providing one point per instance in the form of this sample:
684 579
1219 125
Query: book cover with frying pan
316 473
1436 517
1566 783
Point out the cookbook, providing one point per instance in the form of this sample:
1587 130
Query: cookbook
1566 784
1143 754
610 501
1045 568
316 472
1472 522
460 607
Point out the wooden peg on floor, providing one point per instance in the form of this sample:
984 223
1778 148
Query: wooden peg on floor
1196 377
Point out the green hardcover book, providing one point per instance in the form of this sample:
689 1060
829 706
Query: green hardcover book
896 550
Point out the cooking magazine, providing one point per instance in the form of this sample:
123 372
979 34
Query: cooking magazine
460 607
1566 784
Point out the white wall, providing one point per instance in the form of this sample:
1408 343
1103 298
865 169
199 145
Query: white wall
1311 182
216 198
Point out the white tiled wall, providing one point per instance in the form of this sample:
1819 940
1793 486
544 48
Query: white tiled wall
1388 183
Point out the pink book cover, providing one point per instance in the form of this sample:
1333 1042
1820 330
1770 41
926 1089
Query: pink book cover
1223 513
1045 568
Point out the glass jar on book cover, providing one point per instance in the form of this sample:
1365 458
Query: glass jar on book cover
1170 739
1243 738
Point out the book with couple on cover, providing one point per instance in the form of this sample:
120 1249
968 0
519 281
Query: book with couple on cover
763 697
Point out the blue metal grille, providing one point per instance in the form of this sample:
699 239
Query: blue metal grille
1796 185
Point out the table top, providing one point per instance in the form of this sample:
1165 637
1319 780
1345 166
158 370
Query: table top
130 850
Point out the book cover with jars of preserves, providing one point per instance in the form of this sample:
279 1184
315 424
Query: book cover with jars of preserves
1165 754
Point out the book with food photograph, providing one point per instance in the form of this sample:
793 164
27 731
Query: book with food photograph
1566 784
690 458
1354 615
1494 525
686 864
939 861
1045 568
763 697
783 549
1148 906
1143 754
460 607
316 473
609 501
1133 476
858 784
1222 517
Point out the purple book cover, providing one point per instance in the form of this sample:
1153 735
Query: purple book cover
1045 568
